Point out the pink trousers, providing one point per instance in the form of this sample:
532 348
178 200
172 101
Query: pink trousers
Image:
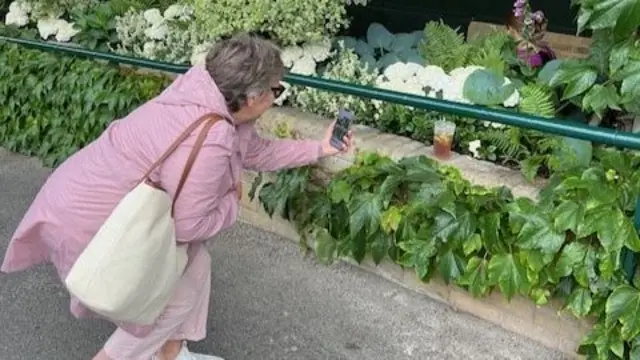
185 318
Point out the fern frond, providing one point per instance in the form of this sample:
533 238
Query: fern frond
488 51
443 46
507 141
537 100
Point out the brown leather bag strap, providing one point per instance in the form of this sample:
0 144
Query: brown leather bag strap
182 137
192 157
209 120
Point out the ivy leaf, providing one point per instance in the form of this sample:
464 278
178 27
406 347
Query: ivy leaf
324 246
537 233
605 340
600 98
339 191
629 18
391 219
474 243
507 271
629 74
619 57
585 271
619 232
489 225
450 264
475 277
568 215
577 76
571 256
580 302
624 305
380 246
418 255
366 211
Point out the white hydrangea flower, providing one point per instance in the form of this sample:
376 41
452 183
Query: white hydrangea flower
199 54
15 18
149 49
433 77
291 54
474 148
66 31
157 31
304 66
178 12
153 16
21 7
47 27
319 51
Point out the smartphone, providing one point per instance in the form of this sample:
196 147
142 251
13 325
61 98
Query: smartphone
340 130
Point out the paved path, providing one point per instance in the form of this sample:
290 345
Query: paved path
269 302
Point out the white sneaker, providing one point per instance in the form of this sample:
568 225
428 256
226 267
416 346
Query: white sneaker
185 354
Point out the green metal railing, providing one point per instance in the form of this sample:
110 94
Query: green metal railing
561 127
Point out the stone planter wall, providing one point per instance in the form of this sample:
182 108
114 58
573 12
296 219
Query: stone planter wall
545 324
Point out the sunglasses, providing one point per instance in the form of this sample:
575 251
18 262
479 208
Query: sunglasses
277 91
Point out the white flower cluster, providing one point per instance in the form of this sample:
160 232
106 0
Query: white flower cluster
431 81
345 67
170 37
20 14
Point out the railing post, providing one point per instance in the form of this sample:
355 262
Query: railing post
629 258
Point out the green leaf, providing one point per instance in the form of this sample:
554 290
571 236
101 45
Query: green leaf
474 243
339 191
577 76
568 215
629 74
507 271
366 211
548 71
391 219
624 305
629 18
484 87
580 302
380 246
572 255
451 265
538 233
475 277
601 98
418 255
324 246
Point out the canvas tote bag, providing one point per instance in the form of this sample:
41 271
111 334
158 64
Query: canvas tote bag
130 268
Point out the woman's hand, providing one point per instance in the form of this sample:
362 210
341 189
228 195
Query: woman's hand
347 142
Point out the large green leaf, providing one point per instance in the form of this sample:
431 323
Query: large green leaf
624 306
507 271
450 264
475 277
483 87
366 213
580 302
577 77
324 246
601 98
572 255
568 215
419 253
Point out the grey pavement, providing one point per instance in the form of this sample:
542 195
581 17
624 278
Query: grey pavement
268 302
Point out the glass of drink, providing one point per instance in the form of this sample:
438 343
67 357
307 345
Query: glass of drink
443 132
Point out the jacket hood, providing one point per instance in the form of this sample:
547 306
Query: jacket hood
195 88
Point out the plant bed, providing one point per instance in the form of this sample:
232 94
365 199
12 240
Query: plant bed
550 245
435 61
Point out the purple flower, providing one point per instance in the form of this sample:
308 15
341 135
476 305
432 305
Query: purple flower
538 16
520 3
518 12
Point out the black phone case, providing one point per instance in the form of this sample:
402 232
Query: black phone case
340 130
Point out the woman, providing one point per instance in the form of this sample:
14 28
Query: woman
240 81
